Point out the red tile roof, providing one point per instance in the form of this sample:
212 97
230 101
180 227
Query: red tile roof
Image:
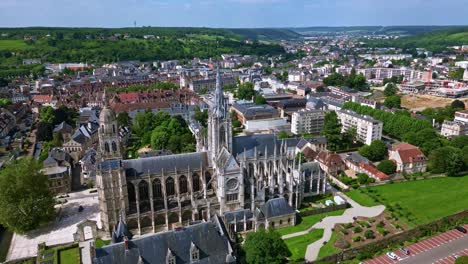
409 153
374 171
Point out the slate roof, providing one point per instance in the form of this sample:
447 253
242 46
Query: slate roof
62 127
210 238
276 207
155 165
248 143
238 216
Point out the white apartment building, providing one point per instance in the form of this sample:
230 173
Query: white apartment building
367 128
307 121
453 129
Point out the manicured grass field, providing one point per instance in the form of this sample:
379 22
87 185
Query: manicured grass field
12 44
329 248
422 200
69 256
307 222
298 245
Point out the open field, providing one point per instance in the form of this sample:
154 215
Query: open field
420 102
298 245
422 201
306 222
12 44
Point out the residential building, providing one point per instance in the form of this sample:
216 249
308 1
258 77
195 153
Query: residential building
57 167
408 158
453 129
307 122
367 128
330 162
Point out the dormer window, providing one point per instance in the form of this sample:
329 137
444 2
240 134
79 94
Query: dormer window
194 253
170 257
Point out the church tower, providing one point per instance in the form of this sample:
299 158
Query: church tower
219 122
110 177
109 139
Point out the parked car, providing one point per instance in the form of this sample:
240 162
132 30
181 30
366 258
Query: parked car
461 229
405 251
392 255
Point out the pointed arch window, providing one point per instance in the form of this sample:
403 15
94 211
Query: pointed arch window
114 146
183 184
170 190
106 147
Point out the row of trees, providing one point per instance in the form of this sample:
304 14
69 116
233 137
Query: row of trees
246 92
444 113
445 156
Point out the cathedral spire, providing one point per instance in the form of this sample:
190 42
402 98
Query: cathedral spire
219 97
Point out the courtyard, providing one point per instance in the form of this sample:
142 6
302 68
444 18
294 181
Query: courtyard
61 230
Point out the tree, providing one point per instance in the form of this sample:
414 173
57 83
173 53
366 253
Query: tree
457 104
201 116
245 91
446 159
390 89
25 198
283 134
332 130
462 260
265 247
393 101
44 131
364 178
123 119
259 99
57 139
47 114
375 151
457 74
387 167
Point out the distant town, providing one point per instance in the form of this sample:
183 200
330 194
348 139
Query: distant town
301 147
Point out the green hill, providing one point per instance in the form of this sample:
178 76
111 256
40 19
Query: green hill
436 41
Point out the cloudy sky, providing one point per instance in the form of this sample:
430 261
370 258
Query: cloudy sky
231 13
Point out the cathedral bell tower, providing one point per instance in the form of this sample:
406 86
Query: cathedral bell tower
111 182
109 139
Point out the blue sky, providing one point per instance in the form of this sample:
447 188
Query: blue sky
231 13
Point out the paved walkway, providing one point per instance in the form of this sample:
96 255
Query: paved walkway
329 222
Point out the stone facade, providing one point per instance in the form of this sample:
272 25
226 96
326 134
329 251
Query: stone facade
225 174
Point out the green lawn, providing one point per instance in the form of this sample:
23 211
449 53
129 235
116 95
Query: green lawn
12 44
307 222
423 201
329 248
298 245
100 243
69 256
361 198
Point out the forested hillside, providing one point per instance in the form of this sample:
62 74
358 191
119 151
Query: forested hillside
95 45
435 41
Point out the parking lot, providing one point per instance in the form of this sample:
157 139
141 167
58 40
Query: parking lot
451 259
420 247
